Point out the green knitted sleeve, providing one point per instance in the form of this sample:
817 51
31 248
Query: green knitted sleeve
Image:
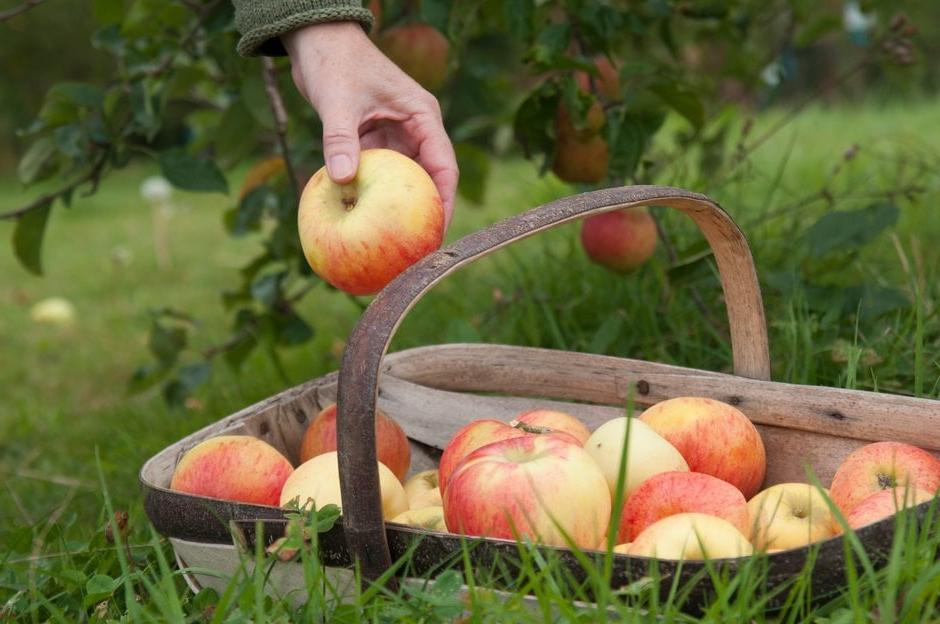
262 22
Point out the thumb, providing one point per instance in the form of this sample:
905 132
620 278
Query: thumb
340 146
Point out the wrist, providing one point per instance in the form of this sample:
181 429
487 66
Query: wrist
318 40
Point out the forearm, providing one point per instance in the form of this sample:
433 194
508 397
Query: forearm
262 22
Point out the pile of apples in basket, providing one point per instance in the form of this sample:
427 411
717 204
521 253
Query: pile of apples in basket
687 473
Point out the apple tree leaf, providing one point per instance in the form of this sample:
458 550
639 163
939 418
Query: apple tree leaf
682 100
520 18
28 234
849 229
192 173
189 377
35 163
534 122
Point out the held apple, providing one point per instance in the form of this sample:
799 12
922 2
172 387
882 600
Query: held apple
552 420
690 536
359 236
536 487
882 466
620 240
317 479
233 467
788 515
422 490
883 504
647 453
714 438
392 447
670 493
479 433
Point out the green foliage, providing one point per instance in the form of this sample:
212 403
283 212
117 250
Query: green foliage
180 96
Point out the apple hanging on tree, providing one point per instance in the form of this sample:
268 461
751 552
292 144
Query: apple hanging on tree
620 240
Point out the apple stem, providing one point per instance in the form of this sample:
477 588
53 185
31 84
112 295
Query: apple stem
530 428
348 192
886 481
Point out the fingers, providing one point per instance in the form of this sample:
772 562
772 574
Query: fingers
340 143
437 156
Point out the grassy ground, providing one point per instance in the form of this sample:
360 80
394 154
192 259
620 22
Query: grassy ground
63 388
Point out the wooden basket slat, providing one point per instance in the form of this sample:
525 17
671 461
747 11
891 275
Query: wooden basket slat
609 380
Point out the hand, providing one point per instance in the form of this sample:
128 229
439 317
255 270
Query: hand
364 100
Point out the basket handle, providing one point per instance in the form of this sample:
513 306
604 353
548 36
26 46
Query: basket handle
369 340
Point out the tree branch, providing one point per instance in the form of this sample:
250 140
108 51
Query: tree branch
26 6
269 73
93 176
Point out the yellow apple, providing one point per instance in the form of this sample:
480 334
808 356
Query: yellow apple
361 235
789 515
317 479
423 490
648 453
430 517
690 536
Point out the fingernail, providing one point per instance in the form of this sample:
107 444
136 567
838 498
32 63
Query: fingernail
341 167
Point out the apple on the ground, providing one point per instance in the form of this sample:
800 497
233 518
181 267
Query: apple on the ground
361 235
789 515
883 504
669 493
317 480
536 487
423 490
881 466
552 420
690 536
647 453
392 446
239 468
714 437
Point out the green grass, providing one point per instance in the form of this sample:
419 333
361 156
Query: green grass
64 388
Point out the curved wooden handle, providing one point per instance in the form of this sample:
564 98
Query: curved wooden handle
369 340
